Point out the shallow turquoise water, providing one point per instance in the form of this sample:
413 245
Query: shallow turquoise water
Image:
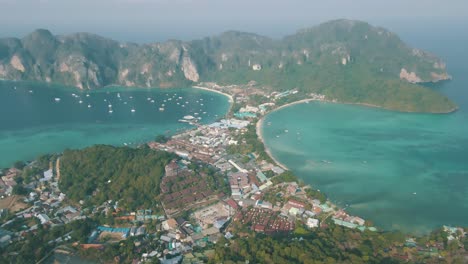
32 122
401 171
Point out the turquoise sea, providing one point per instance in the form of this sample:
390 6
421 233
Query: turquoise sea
401 171
34 122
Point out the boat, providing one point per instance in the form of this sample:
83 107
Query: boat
188 117
89 106
195 113
286 131
201 104
161 108
57 99
131 97
414 193
152 101
109 105
118 95
133 110
30 91
110 111
87 95
80 102
125 102
204 113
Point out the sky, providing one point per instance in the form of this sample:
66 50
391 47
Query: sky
159 20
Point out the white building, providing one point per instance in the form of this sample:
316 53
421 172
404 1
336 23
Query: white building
256 67
312 222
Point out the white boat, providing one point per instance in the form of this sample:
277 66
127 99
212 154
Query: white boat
89 106
105 100
125 102
30 91
110 111
204 113
109 105
195 113
118 95
152 101
57 99
201 104
80 101
188 117
133 110
131 97
161 108
87 95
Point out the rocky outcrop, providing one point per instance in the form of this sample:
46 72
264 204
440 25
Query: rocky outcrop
189 69
88 61
17 64
409 76
437 77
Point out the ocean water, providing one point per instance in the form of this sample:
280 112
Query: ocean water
401 171
32 122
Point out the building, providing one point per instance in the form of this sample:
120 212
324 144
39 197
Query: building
256 67
172 169
169 224
312 222
43 218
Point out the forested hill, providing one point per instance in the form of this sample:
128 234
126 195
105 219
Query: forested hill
350 61
101 173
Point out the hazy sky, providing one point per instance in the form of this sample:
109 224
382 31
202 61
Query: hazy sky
157 20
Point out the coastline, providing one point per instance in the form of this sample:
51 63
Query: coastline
230 98
258 129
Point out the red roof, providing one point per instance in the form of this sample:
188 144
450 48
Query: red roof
259 228
232 203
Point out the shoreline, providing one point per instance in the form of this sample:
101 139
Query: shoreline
230 98
259 130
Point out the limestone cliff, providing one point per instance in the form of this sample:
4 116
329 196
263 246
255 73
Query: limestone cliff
344 59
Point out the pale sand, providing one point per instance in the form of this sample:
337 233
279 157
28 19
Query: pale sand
267 150
231 100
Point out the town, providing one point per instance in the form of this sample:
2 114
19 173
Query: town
261 195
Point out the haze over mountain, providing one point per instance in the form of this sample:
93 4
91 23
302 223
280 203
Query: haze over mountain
347 60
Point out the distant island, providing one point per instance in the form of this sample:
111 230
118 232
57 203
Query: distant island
347 61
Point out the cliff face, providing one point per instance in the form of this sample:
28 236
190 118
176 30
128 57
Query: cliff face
88 61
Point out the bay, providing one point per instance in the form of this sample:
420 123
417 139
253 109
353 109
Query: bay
36 118
402 171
